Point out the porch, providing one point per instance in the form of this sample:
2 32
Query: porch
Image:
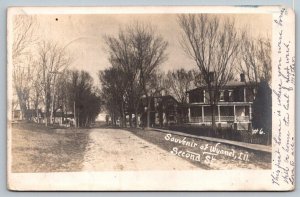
223 114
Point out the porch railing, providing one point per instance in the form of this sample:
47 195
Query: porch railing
199 119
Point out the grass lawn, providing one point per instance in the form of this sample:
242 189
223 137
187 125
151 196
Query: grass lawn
256 159
36 148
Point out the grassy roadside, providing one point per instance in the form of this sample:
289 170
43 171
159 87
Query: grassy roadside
36 148
256 159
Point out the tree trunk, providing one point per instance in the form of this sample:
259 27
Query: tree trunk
136 119
37 115
123 121
213 119
112 120
86 121
22 104
23 110
148 113
46 107
130 119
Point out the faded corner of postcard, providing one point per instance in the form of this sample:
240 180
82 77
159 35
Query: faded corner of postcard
138 98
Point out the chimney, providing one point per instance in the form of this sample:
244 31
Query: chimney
211 76
242 77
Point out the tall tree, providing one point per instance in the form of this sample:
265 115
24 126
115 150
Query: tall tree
83 98
35 94
22 60
257 67
121 57
138 51
62 93
52 60
256 59
262 109
150 52
113 92
179 82
213 44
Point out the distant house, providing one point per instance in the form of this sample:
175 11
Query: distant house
163 111
63 118
16 114
233 109
30 114
34 115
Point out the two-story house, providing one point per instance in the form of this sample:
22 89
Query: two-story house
163 111
233 109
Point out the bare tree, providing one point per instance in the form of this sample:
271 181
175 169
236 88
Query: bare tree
121 57
257 67
178 82
213 44
35 94
53 59
22 61
24 27
256 59
149 54
138 51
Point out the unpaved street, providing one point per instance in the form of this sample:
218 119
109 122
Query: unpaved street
36 148
116 149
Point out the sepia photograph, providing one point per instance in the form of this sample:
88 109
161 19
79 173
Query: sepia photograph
134 92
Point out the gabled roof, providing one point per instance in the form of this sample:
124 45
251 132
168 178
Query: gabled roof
166 97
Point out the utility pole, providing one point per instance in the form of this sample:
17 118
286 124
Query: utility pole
75 121
46 92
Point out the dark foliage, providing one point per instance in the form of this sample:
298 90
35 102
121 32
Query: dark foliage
262 108
82 94
222 133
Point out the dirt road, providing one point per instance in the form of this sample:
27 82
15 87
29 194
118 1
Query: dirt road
116 149
36 148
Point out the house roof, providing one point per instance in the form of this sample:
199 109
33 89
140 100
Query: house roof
230 84
164 98
235 84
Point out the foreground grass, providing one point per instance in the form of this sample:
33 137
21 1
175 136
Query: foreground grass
256 159
36 148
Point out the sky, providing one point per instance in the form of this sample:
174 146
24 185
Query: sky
83 35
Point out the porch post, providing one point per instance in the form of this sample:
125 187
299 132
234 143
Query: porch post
219 113
202 114
250 113
165 121
234 112
245 95
189 114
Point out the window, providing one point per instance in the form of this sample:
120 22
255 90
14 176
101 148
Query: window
238 95
196 96
247 111
196 111
221 95
230 95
